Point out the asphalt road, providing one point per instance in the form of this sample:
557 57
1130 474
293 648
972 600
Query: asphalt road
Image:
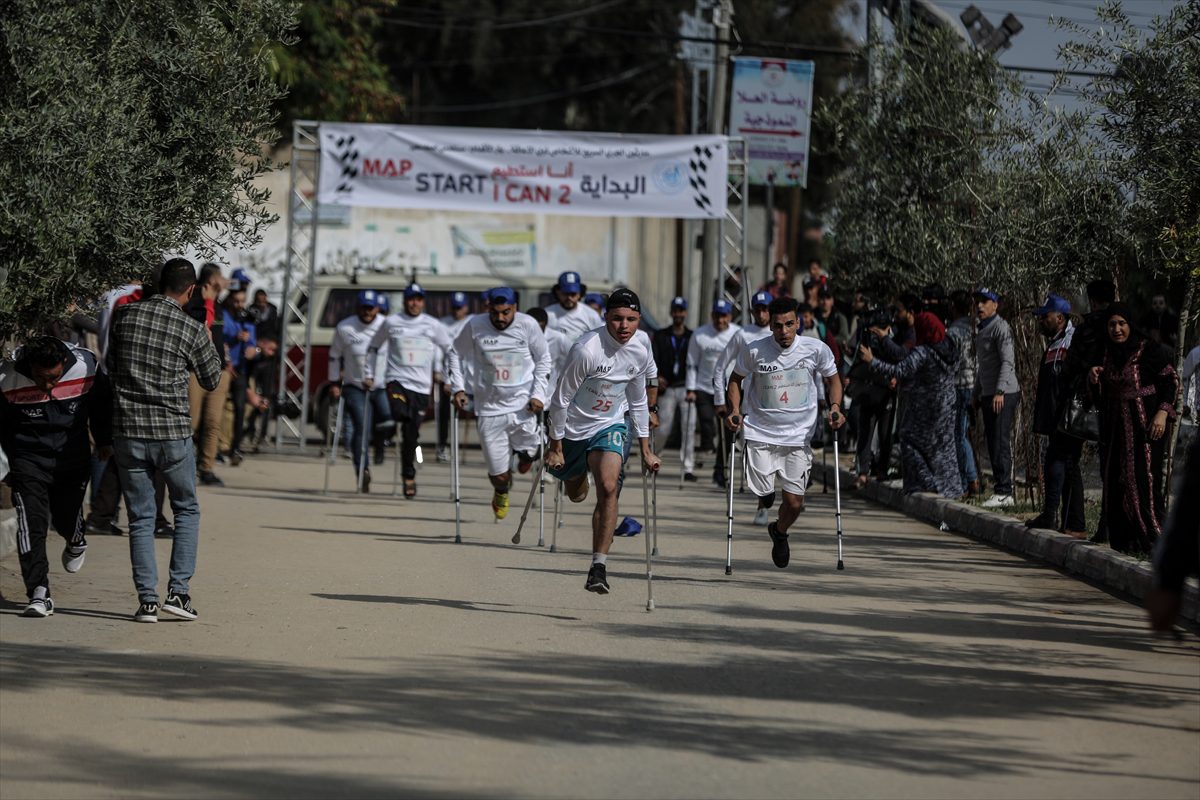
348 647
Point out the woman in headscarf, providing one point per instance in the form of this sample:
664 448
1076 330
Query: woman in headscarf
1137 386
927 437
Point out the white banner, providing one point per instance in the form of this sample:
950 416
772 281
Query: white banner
770 107
518 171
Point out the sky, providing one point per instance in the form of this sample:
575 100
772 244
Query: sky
1037 44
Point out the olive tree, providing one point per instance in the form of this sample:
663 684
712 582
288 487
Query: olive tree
127 130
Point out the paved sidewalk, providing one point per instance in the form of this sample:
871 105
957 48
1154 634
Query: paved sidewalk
347 647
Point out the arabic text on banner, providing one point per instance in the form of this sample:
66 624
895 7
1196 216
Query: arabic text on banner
517 171
770 108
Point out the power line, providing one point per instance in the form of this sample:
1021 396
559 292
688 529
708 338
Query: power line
627 75
500 24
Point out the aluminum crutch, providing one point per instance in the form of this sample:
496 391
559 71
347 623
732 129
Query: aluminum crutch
837 500
647 532
454 473
331 459
729 509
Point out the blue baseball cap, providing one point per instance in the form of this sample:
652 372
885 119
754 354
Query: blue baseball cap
722 307
368 297
983 291
458 300
594 297
241 276
413 290
761 299
501 296
679 303
385 304
569 282
1053 303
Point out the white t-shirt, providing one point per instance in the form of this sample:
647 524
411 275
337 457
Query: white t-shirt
704 351
351 340
601 380
453 328
574 323
558 345
411 343
747 334
779 400
513 365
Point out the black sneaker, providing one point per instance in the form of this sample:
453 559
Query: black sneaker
211 479
366 481
106 528
597 580
719 480
690 477
164 531
1042 521
147 612
236 457
180 605
781 554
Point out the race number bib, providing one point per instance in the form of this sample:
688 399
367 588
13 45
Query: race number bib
416 351
787 389
505 367
601 397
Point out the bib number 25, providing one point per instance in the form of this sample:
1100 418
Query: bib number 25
602 405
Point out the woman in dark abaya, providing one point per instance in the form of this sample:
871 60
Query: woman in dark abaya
1137 386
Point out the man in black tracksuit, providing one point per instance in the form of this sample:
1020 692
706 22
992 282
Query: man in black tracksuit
51 393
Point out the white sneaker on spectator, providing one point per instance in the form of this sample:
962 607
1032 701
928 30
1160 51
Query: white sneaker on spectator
999 501
760 517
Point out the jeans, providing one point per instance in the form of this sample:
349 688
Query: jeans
998 429
966 455
140 461
712 430
1064 481
670 403
352 419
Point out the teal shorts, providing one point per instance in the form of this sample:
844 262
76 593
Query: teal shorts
613 439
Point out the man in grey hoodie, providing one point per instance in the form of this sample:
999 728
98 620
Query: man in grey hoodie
998 392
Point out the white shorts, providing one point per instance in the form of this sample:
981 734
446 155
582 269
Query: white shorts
791 462
503 434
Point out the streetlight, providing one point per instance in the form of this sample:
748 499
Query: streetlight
986 36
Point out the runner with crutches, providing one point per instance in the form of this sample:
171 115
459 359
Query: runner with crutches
772 376
605 375
512 367
348 355
410 338
756 329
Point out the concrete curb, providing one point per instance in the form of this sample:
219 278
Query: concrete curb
1095 563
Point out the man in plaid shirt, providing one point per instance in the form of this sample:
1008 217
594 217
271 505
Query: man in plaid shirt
153 346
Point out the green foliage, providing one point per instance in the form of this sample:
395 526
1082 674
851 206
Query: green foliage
333 71
127 130
1146 106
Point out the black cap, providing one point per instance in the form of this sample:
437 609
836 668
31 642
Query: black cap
624 298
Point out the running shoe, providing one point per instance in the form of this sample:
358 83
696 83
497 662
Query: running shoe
366 481
442 456
39 607
146 612
73 554
211 479
524 463
690 477
597 580
781 554
180 605
999 501
106 528
628 527
164 531
236 457
500 504
761 517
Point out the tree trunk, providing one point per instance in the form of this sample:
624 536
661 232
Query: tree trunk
1185 315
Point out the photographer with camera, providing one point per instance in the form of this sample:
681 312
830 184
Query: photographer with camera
872 395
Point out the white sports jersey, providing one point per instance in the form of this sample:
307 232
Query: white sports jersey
453 328
411 343
574 323
558 345
747 334
704 351
351 340
601 381
779 400
513 365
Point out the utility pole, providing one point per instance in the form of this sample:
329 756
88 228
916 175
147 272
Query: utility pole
722 19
